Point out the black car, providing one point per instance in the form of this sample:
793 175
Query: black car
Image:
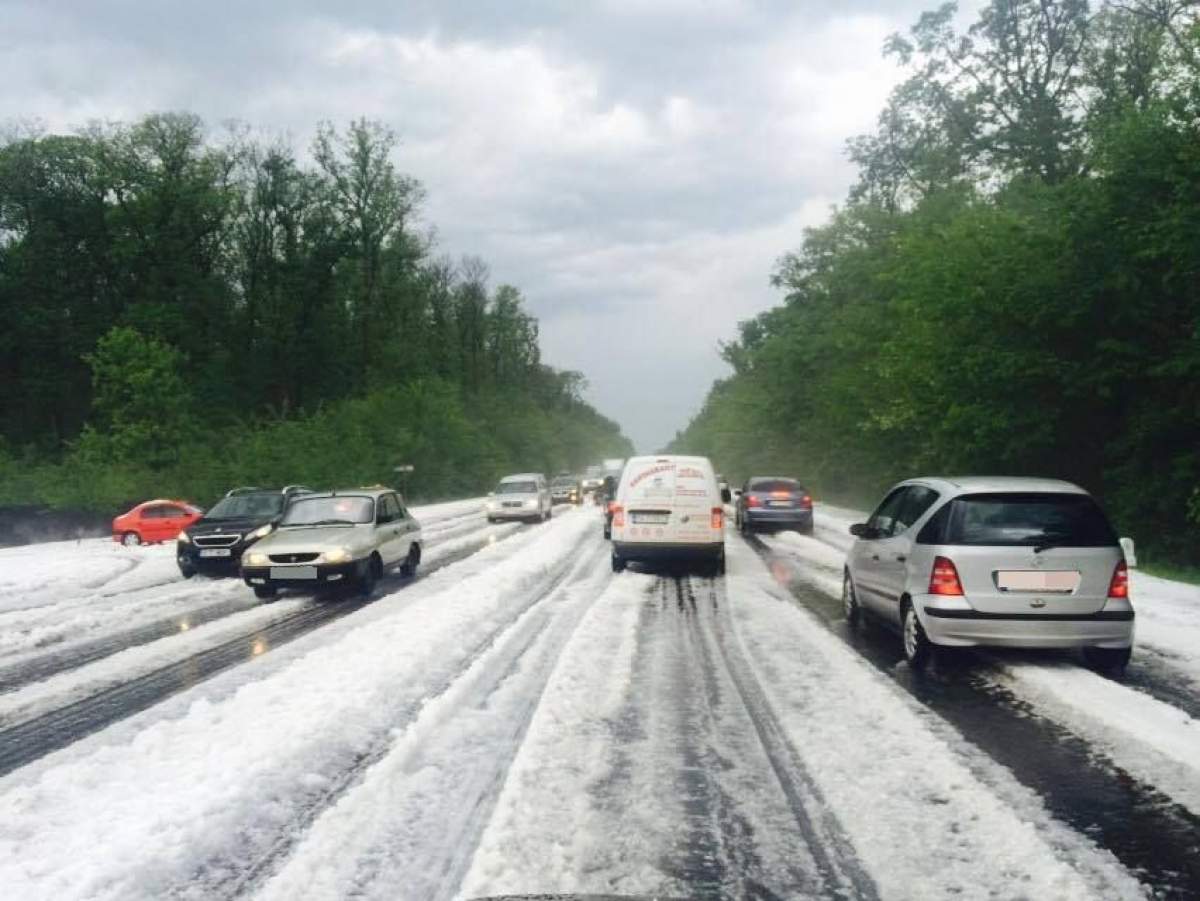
213 545
771 502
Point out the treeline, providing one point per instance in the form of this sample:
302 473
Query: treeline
1012 286
182 314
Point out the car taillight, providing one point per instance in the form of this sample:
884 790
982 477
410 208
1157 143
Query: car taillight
1119 586
753 501
718 517
806 501
618 514
944 578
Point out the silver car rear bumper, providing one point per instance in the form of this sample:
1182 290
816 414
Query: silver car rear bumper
953 622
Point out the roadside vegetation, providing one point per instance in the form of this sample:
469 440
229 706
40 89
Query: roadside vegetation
1013 284
184 312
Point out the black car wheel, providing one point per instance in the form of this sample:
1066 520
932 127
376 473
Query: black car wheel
265 592
186 571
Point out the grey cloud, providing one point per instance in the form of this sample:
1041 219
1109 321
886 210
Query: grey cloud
634 167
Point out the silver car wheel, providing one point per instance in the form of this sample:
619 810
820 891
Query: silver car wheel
912 637
131 539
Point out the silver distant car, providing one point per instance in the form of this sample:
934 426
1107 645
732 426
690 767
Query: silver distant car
524 496
1012 562
335 538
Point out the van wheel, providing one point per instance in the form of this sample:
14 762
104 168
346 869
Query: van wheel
918 649
131 539
1108 660
550 514
265 592
850 602
618 563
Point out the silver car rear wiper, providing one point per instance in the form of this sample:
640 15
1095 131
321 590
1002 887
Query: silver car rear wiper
1047 541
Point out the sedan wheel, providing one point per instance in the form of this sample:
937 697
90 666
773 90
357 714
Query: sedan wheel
131 539
366 582
409 567
265 592
1108 660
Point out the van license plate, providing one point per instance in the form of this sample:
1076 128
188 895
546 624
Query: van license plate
293 572
652 519
1061 582
216 552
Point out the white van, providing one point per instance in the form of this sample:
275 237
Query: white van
669 507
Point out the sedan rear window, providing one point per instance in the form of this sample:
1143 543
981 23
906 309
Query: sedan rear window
775 485
1016 520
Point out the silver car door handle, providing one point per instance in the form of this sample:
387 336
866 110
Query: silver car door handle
875 557
900 558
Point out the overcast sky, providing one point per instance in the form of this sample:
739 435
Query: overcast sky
634 167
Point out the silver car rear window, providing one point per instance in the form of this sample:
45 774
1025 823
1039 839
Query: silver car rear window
1017 519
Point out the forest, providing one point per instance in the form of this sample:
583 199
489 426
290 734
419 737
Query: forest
1012 286
186 310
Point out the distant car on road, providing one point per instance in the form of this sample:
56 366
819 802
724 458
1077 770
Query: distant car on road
524 496
335 538
154 521
771 502
214 544
1013 562
666 508
593 478
566 490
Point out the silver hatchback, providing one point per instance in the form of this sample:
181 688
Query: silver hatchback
1012 562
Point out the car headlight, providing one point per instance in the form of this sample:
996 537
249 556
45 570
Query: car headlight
337 555
260 532
531 503
257 560
185 538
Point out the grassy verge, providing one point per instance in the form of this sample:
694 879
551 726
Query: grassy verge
1174 572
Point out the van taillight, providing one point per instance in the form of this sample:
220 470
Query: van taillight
1119 586
618 514
718 517
944 578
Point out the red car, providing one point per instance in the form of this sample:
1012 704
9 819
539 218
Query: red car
154 521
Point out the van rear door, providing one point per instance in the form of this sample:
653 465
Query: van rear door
669 501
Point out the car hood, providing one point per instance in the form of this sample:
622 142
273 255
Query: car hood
239 525
317 538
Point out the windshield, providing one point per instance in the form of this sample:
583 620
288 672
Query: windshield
247 506
517 488
563 483
1070 520
330 511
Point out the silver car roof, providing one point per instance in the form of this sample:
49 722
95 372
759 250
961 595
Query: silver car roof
989 484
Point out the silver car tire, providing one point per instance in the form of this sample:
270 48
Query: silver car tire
917 647
131 539
850 602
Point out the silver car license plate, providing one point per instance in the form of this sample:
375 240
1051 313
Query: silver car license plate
293 572
1060 582
216 552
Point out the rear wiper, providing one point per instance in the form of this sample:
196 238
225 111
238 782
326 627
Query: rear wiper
1048 541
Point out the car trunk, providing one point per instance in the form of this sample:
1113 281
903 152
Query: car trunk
1016 580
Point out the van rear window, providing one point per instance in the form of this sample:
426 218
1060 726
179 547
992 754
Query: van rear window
1017 520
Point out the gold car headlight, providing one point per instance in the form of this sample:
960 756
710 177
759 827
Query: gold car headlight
337 555
257 560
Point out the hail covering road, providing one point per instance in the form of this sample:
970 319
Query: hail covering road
519 719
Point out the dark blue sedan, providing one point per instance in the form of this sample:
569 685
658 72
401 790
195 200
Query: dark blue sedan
767 503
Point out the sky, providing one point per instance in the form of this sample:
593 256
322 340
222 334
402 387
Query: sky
635 167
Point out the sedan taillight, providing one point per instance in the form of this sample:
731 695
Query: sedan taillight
753 501
943 579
